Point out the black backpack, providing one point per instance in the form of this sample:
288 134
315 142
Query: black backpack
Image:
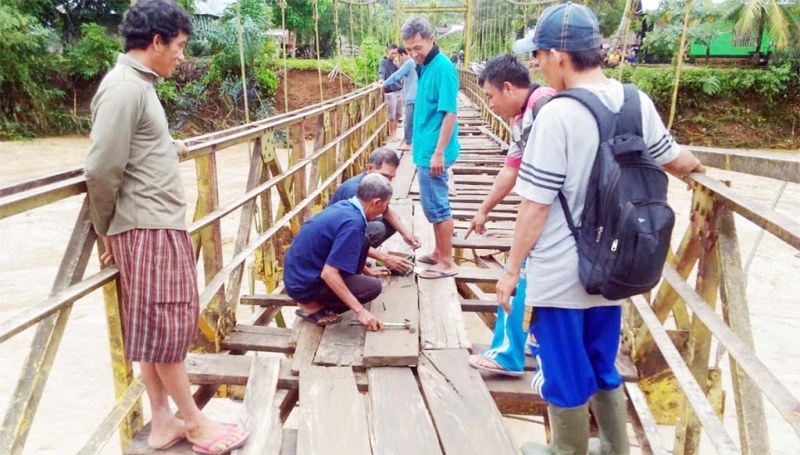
626 224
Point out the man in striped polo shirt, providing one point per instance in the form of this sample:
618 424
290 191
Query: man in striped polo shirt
578 333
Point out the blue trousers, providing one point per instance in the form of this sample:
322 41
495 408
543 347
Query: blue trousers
508 344
576 353
408 124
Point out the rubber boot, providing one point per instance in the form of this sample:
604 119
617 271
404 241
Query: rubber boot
612 418
570 432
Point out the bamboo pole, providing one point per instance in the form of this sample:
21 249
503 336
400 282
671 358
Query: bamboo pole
338 44
241 60
316 45
626 34
285 58
679 67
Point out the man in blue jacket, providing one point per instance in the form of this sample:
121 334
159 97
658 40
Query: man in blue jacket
408 74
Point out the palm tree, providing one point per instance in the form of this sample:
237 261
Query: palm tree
755 16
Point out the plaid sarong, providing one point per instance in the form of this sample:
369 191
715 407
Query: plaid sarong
159 293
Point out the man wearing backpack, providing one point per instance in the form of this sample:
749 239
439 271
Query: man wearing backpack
578 332
507 86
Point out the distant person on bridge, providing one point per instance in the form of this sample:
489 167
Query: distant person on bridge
408 73
384 162
578 333
139 213
393 92
435 143
325 268
507 86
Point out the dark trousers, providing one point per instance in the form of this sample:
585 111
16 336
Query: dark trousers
378 231
364 288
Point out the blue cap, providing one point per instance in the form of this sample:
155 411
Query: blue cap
566 27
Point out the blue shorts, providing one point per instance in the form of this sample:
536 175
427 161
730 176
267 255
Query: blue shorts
434 195
576 353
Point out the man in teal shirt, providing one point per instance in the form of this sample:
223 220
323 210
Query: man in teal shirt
435 141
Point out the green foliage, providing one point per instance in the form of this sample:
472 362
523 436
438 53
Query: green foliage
66 17
94 53
367 63
699 86
24 79
662 43
168 91
756 16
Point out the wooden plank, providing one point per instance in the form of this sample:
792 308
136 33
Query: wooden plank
479 306
289 446
467 420
475 206
342 344
478 275
399 421
493 215
268 300
261 410
308 338
753 430
397 303
404 177
644 424
441 321
223 369
477 242
333 417
258 338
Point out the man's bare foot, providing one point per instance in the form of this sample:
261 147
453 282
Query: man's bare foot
404 147
213 437
167 434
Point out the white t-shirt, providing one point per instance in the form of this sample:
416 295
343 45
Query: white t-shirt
559 156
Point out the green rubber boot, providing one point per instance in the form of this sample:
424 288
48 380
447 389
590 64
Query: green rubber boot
570 432
612 418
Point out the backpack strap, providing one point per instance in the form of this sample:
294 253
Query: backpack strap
609 124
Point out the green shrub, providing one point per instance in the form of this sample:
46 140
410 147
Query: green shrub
26 66
700 85
94 53
367 63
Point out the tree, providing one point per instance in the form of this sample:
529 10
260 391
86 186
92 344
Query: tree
756 16
662 43
67 16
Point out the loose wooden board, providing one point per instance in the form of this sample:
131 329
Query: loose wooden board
258 338
342 344
399 421
404 176
261 410
467 420
333 417
308 338
441 321
392 347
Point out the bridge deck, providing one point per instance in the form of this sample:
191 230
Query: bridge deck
394 391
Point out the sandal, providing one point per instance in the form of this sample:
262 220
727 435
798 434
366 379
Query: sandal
497 369
319 317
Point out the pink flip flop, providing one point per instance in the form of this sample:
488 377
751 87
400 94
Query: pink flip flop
206 449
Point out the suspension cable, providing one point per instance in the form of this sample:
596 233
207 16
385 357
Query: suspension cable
282 4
